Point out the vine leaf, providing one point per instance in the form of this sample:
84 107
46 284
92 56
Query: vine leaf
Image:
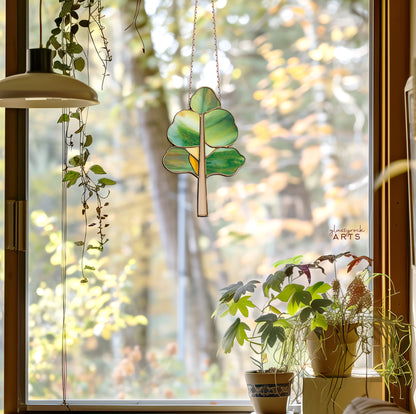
97 169
201 138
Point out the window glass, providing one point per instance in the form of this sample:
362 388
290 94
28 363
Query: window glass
294 75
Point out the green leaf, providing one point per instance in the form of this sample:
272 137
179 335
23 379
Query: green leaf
106 181
305 314
97 169
75 115
71 177
274 281
224 161
177 161
289 291
236 290
66 8
275 310
79 64
220 128
268 317
86 267
298 300
317 288
184 130
60 66
271 334
88 141
84 23
204 100
241 305
54 42
318 305
79 243
56 31
63 118
235 329
319 321
293 260
75 161
74 48
284 323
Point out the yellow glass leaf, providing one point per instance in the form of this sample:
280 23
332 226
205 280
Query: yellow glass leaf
194 151
194 163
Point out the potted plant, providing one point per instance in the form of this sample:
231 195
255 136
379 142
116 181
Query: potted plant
302 314
269 334
338 318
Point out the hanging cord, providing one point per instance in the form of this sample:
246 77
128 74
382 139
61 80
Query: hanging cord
134 23
40 24
214 28
64 231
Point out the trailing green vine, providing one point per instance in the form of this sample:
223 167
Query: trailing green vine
71 56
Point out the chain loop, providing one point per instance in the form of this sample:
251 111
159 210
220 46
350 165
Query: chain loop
214 28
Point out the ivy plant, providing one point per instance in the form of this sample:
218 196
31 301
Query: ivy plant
70 57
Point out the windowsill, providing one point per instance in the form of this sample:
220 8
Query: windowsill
152 406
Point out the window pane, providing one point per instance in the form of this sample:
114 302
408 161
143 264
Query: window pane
295 77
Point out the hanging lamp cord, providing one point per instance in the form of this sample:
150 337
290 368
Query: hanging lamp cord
40 24
214 28
64 229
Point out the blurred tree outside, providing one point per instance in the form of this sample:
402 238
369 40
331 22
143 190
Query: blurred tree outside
295 76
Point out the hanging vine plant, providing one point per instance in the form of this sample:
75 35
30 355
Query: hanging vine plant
72 57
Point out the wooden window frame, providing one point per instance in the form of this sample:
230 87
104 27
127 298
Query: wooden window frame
389 209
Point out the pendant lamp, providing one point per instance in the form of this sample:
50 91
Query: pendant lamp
40 87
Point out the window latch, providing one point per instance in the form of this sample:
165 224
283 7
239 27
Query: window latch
15 226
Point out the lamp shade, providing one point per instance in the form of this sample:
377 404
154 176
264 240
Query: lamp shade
40 87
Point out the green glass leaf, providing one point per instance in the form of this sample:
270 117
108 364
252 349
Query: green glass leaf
224 161
204 100
176 160
184 131
220 128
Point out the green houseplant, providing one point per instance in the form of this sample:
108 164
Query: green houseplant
270 335
339 318
315 313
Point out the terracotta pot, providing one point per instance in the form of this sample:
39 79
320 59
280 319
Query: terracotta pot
333 355
269 391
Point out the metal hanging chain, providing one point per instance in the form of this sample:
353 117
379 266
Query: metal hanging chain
214 27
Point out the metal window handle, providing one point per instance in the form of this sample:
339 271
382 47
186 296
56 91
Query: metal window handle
15 226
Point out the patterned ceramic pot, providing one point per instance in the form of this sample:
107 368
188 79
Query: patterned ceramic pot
269 391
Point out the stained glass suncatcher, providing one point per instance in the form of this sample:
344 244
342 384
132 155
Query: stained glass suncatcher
202 137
